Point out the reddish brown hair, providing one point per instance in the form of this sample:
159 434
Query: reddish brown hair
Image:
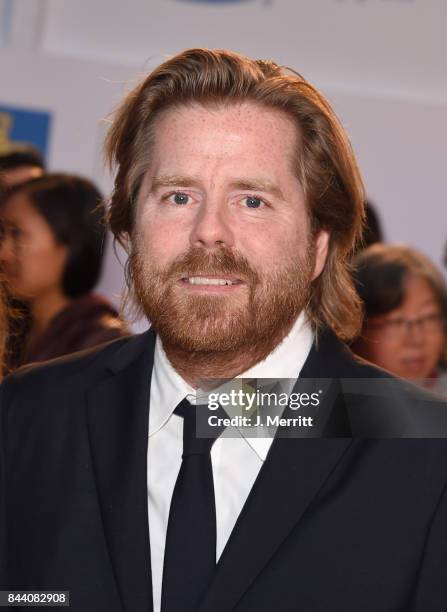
325 163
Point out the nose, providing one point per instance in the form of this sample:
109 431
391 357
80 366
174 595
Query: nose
212 228
415 333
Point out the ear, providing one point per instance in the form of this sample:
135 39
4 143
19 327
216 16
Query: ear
321 249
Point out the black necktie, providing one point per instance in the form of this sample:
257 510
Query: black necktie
190 551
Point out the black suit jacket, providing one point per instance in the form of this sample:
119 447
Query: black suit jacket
336 524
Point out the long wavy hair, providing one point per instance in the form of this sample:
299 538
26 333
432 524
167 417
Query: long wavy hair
324 162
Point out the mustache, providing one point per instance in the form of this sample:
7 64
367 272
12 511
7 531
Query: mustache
222 261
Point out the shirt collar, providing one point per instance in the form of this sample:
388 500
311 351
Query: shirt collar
168 388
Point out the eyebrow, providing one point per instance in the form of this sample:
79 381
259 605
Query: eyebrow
246 184
173 181
255 184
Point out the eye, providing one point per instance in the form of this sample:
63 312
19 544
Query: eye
12 231
253 202
396 322
180 198
177 197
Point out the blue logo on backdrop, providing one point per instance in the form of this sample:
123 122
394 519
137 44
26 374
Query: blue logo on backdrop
19 127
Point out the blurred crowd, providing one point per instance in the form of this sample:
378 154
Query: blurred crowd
52 245
52 242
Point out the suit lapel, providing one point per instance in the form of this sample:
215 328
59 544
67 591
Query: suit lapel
292 475
118 433
294 472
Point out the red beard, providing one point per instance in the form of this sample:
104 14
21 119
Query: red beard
253 318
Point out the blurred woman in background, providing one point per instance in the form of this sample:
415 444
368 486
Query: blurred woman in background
51 255
405 305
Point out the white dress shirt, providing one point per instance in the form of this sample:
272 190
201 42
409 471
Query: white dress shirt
236 461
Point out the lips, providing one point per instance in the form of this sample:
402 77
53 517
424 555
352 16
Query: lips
210 280
414 365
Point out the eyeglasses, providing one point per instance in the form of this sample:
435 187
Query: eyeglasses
397 328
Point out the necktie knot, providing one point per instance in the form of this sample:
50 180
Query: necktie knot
192 443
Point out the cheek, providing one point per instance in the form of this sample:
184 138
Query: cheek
289 237
161 241
272 242
436 347
40 266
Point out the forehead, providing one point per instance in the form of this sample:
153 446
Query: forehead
18 208
245 131
418 291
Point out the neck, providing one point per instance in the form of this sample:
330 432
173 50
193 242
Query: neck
196 366
44 308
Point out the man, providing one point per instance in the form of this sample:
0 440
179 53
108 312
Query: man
239 199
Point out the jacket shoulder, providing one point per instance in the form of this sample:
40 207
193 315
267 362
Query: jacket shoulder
79 368
332 358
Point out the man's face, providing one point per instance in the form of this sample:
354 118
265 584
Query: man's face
222 252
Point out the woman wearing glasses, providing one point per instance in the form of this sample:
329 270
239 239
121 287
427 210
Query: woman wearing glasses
405 304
